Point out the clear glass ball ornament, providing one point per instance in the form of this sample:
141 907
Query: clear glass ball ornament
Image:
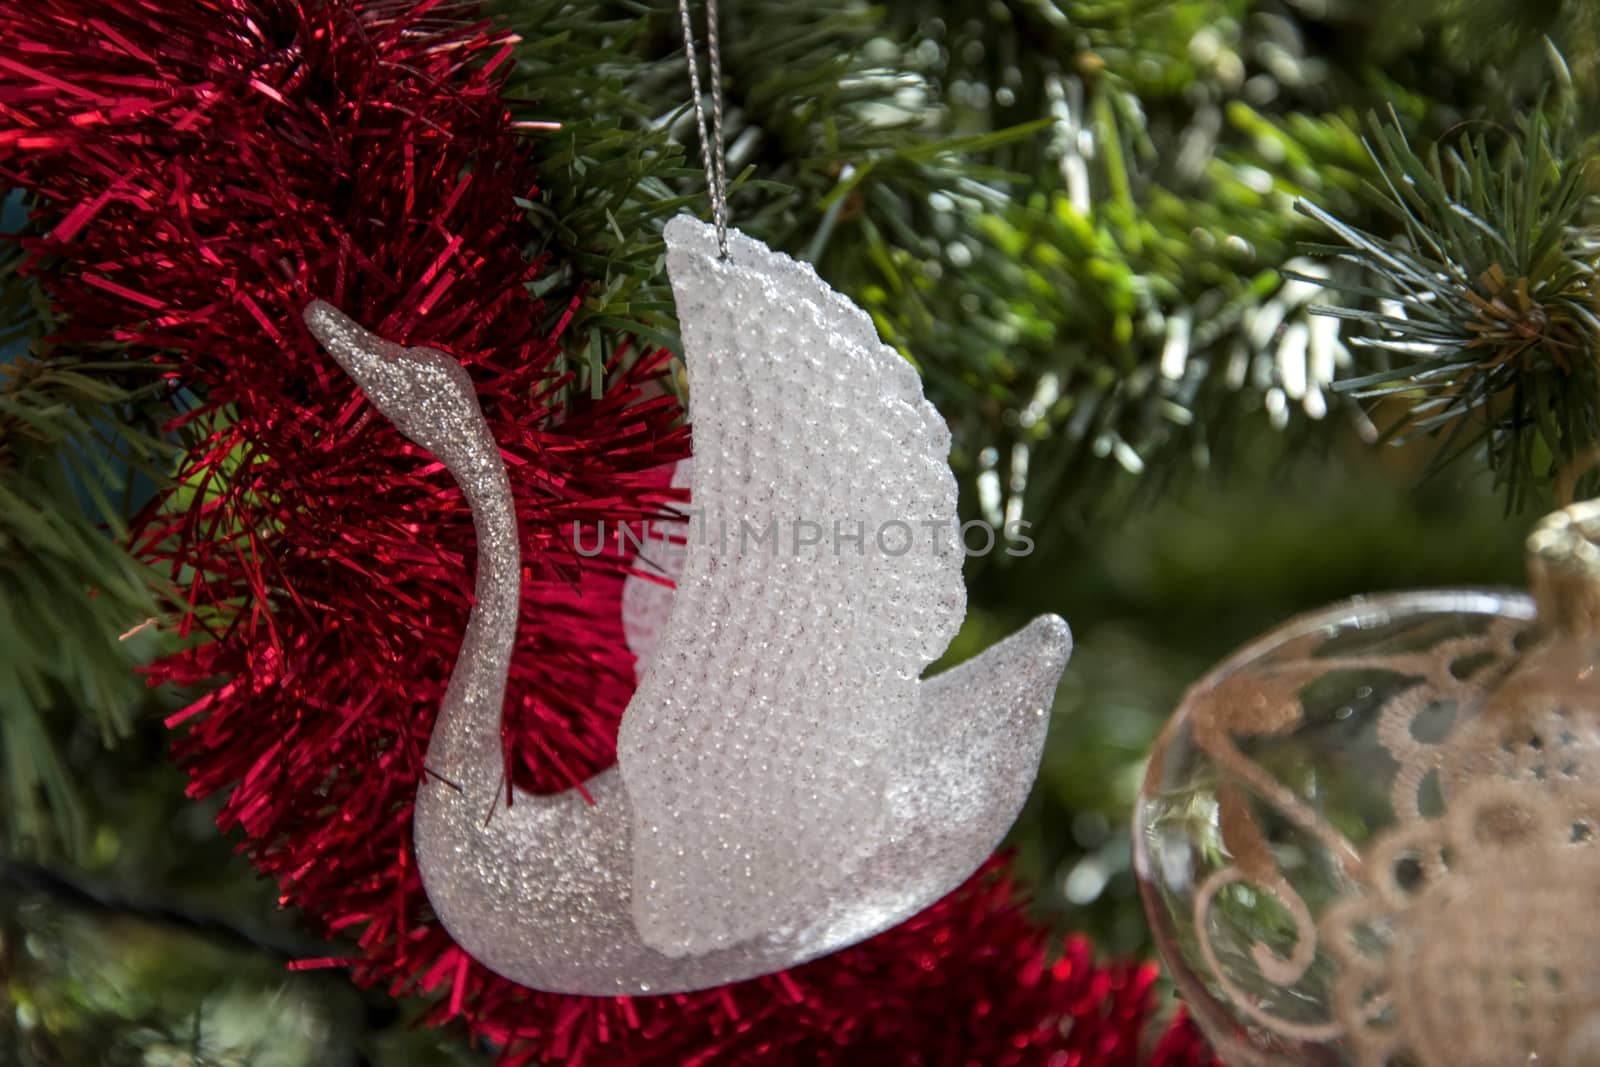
1372 836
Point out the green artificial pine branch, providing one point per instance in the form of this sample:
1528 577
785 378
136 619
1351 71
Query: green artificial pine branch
1480 319
72 430
1075 217
1081 246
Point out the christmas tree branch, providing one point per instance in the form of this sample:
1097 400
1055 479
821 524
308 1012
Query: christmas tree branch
1011 217
1478 323
76 429
73 891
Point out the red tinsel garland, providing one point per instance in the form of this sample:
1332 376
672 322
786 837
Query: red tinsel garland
204 168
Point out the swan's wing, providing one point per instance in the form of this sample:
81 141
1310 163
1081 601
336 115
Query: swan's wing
972 755
960 778
757 748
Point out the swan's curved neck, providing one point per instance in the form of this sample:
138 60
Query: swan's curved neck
432 401
470 715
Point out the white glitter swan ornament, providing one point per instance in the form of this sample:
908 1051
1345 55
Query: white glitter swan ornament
785 785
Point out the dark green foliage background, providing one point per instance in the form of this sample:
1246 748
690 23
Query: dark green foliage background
1030 196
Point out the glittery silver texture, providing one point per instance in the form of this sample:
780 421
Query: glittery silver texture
795 789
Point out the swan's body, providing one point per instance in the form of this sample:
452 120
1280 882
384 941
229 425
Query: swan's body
795 788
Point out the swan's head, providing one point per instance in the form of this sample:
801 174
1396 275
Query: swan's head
425 393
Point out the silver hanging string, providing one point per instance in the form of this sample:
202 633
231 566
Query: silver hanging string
711 152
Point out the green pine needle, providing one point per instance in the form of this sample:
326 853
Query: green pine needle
1479 322
73 430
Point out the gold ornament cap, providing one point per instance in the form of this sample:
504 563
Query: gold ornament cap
1564 570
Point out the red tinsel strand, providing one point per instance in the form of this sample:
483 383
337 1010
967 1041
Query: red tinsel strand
205 167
